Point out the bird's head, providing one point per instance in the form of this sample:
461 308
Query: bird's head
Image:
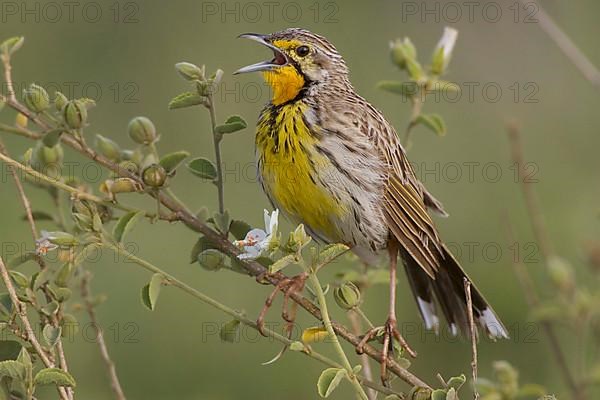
300 58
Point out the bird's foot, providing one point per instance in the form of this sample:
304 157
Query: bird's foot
388 333
288 286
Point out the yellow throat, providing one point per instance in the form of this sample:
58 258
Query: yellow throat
285 82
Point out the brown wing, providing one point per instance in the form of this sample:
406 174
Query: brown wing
406 200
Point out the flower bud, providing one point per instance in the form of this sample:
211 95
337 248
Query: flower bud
120 185
154 176
75 114
142 130
401 51
561 273
108 148
62 239
60 100
347 296
443 51
190 71
47 160
36 98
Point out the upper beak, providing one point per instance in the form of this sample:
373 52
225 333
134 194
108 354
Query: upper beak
278 60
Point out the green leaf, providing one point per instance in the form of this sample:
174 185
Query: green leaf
51 138
126 224
20 279
151 291
21 259
13 369
48 376
6 305
63 275
229 331
202 244
10 46
51 308
9 350
222 221
239 229
189 71
171 161
405 89
330 252
433 122
51 334
211 259
531 390
329 380
203 168
282 263
438 394
457 382
187 99
233 124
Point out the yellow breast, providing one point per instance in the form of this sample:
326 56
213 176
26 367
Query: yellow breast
290 169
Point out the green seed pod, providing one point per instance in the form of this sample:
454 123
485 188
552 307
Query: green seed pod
154 176
129 166
75 114
120 185
347 296
36 98
108 148
142 131
47 160
60 100
189 71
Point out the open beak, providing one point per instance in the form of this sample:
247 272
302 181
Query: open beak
279 58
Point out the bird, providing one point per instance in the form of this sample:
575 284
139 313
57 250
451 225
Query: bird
328 159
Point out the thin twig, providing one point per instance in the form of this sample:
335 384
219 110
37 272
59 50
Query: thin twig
110 365
566 45
217 145
473 335
29 332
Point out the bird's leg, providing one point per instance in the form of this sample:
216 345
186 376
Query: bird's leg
389 330
289 286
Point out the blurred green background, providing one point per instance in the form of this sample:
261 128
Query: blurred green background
124 58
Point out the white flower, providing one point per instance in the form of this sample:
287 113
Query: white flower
43 244
443 50
259 241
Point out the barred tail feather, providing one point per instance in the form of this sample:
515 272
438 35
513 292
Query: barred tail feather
447 290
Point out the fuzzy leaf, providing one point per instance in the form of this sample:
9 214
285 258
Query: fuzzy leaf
405 89
48 376
20 279
126 224
329 380
438 394
330 252
239 229
9 350
13 369
314 334
457 382
187 99
229 331
233 124
211 259
433 122
151 291
282 263
203 168
51 334
51 138
171 161
202 244
10 46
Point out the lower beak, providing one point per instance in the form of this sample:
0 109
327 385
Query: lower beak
278 60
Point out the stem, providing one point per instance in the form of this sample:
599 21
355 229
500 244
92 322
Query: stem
110 365
417 106
354 318
29 332
472 333
217 145
361 314
172 281
318 289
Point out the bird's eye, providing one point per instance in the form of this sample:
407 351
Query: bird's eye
302 51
